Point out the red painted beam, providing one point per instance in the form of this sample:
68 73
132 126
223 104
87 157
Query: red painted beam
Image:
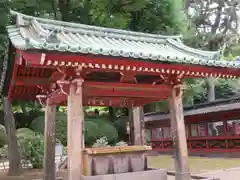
32 81
34 60
58 97
93 92
28 81
145 87
102 89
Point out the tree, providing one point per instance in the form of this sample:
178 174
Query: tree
215 23
13 151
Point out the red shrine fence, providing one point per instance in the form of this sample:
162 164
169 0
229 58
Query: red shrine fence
218 136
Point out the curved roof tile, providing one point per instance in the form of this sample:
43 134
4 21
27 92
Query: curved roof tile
45 34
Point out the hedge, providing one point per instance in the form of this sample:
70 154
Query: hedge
95 127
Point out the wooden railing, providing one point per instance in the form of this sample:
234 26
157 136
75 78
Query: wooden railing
203 144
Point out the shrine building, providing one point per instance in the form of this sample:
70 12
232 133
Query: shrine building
63 63
211 127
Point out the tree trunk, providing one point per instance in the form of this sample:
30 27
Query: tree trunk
210 88
13 150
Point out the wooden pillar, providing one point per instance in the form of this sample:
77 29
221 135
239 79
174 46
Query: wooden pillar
50 141
13 150
75 130
179 134
137 126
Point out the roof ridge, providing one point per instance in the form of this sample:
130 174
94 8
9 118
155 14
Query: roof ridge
217 102
180 45
96 28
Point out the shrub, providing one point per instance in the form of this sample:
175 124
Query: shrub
61 126
92 132
4 152
121 143
32 149
110 132
102 142
37 124
95 127
103 119
31 146
24 132
3 136
106 127
121 126
34 114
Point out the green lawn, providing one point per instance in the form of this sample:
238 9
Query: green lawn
197 164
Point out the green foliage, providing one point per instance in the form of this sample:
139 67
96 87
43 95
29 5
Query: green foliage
3 136
227 88
121 143
4 152
121 126
32 149
102 142
4 21
162 106
195 91
165 17
106 127
110 132
95 127
23 132
148 136
24 120
99 119
230 57
115 13
61 126
92 132
38 124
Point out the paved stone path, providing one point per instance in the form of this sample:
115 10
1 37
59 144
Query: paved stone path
224 174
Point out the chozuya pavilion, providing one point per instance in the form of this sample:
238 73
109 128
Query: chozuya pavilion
61 63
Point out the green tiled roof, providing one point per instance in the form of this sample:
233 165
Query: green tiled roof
45 34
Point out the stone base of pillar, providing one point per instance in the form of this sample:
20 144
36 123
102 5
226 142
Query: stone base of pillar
182 176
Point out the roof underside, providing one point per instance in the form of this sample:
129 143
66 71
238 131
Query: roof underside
43 34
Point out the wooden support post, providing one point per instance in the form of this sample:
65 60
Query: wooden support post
131 126
137 126
50 141
75 131
178 134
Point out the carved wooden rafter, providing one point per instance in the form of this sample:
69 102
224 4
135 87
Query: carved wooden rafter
128 77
